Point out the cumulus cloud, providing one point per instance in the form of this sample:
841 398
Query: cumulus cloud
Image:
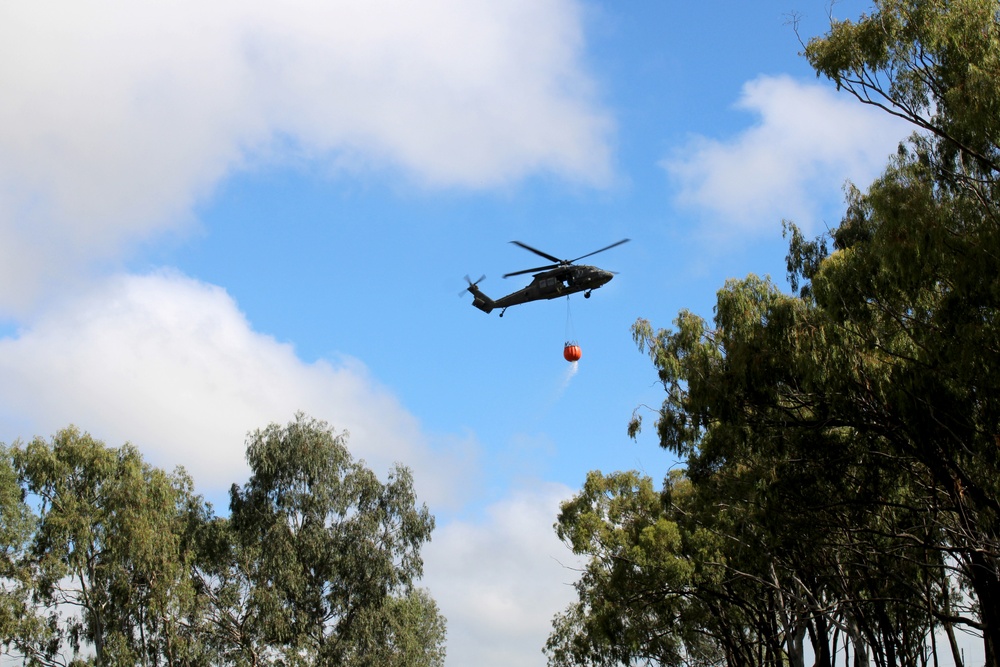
501 578
792 163
172 365
117 117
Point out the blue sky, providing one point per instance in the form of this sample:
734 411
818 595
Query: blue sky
215 214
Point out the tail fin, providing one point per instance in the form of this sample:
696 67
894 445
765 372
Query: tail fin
480 300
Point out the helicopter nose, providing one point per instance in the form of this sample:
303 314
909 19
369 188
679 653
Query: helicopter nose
604 276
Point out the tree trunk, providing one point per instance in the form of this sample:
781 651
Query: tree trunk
859 645
820 634
987 588
796 648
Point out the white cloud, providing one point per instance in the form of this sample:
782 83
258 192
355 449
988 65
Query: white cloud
792 163
118 116
501 579
171 365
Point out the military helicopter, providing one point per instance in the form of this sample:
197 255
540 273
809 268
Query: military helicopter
560 278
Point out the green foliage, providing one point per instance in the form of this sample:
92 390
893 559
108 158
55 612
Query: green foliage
108 544
635 548
122 564
841 445
320 557
935 63
18 619
412 633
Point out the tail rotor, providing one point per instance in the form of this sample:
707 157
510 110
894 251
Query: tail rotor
471 283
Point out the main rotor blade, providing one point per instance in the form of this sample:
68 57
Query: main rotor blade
537 268
537 252
601 250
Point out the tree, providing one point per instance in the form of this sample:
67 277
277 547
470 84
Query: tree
843 442
413 631
125 565
22 630
638 600
912 282
107 562
317 561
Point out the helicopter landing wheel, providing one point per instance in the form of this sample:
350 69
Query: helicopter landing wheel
586 295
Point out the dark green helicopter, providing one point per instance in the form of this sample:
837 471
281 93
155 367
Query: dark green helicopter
560 278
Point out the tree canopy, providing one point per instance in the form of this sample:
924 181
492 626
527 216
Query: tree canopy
842 443
106 560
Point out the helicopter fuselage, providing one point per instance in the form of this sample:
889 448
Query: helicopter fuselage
560 278
551 284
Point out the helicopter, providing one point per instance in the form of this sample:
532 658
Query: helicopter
560 278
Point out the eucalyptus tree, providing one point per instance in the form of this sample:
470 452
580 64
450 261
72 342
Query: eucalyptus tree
635 600
318 560
848 434
107 562
832 509
912 283
23 631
